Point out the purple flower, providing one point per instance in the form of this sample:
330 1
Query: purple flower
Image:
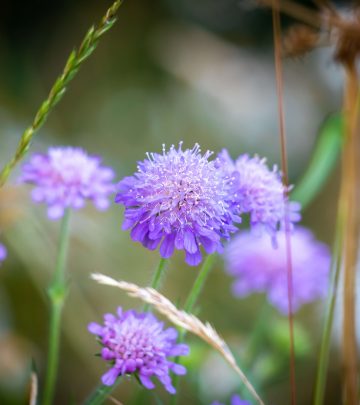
3 253
66 177
258 191
235 400
137 343
179 199
258 267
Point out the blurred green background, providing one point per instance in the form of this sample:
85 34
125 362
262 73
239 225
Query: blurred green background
198 71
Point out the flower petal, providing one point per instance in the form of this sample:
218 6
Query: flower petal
167 246
110 376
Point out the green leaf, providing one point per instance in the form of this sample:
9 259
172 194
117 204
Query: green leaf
323 161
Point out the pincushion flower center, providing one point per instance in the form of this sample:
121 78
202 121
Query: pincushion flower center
182 195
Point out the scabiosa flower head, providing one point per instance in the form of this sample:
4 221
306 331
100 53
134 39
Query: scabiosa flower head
178 199
235 400
3 253
258 267
258 191
67 177
137 343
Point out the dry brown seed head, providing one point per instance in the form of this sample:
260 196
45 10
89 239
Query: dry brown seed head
299 40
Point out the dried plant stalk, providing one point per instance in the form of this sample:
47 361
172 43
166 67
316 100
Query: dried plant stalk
351 195
182 319
33 389
284 168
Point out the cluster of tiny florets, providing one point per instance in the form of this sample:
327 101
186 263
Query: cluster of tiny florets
137 343
259 268
259 192
66 177
177 199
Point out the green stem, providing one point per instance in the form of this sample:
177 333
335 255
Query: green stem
189 305
57 295
199 283
101 393
75 60
157 277
325 341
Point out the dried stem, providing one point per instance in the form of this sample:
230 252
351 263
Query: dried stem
326 20
182 319
34 387
284 166
350 180
75 60
297 11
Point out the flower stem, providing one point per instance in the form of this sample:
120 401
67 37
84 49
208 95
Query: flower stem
325 340
189 305
157 277
199 283
57 295
101 393
75 60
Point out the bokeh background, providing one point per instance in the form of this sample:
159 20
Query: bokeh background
169 71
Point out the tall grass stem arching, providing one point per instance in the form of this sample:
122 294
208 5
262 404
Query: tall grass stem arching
183 320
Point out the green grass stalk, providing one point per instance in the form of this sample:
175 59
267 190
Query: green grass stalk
73 63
